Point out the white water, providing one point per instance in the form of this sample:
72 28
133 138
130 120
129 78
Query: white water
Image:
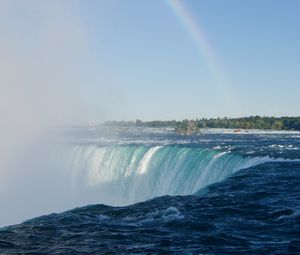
120 175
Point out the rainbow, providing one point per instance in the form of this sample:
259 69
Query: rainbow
201 42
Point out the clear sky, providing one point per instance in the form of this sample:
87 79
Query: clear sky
158 59
65 62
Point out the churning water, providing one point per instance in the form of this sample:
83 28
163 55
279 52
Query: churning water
218 193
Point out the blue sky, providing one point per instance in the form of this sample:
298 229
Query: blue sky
129 59
65 62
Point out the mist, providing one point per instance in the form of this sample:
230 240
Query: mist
42 46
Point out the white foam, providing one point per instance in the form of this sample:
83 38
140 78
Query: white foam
143 166
246 131
171 214
121 175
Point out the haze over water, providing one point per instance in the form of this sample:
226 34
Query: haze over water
67 66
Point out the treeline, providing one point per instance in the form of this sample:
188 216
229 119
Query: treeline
253 122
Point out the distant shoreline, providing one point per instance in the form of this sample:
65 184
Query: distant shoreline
195 126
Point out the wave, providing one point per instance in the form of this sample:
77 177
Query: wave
122 175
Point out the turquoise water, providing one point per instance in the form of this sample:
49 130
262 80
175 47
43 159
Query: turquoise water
135 173
155 192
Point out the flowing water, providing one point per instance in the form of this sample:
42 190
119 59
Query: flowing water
156 192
